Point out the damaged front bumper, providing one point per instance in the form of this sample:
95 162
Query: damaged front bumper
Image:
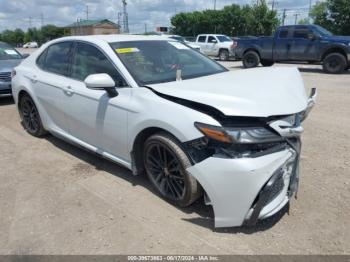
244 190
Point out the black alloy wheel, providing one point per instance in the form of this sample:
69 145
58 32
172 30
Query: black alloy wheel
165 164
30 116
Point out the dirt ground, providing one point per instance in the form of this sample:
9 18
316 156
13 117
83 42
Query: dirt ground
58 199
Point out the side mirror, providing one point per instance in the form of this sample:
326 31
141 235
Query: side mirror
101 82
311 37
214 41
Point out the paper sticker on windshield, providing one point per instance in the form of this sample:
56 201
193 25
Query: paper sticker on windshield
178 45
10 52
127 50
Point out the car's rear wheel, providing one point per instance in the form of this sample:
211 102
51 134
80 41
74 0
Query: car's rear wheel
30 116
224 55
267 62
251 59
165 163
334 63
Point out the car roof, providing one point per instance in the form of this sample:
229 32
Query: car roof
115 38
211 35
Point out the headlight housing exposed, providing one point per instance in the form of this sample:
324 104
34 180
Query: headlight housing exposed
239 135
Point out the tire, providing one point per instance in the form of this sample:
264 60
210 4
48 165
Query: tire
334 63
251 59
165 164
30 117
224 55
267 62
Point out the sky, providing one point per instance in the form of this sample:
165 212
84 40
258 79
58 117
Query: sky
153 13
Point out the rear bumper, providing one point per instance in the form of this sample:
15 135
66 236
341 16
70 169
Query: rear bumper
244 190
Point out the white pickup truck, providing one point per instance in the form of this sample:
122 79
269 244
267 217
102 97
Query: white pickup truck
216 45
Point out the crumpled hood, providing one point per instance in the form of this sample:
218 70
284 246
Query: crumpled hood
8 65
259 92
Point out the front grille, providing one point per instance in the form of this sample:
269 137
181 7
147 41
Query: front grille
5 77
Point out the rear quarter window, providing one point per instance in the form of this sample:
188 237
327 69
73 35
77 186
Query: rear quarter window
57 58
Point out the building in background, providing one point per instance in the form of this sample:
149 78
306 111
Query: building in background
93 27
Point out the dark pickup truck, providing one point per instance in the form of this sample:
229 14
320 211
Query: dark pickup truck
298 43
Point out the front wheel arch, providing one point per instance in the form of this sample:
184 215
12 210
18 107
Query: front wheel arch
137 148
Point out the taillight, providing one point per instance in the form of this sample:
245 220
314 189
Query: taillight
13 73
234 44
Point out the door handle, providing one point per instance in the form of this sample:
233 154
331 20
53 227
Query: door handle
68 90
33 79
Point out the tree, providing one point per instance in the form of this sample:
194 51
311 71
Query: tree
334 15
8 36
304 21
320 15
49 32
231 20
340 15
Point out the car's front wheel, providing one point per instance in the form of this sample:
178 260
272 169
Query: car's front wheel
165 163
30 116
334 63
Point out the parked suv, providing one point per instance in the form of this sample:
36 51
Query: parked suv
159 107
217 45
299 43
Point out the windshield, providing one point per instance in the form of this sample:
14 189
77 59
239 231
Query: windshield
323 31
178 38
7 52
152 62
223 38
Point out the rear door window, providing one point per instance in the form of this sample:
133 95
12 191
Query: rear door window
58 58
301 33
90 60
283 33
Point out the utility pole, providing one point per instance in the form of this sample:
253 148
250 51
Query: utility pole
30 22
87 12
309 15
284 16
273 3
42 20
296 18
145 28
125 18
214 4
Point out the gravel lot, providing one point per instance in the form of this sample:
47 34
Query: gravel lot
58 199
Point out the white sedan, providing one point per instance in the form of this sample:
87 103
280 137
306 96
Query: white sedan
158 107
31 45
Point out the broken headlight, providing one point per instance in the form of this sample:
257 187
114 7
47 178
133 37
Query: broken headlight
241 135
